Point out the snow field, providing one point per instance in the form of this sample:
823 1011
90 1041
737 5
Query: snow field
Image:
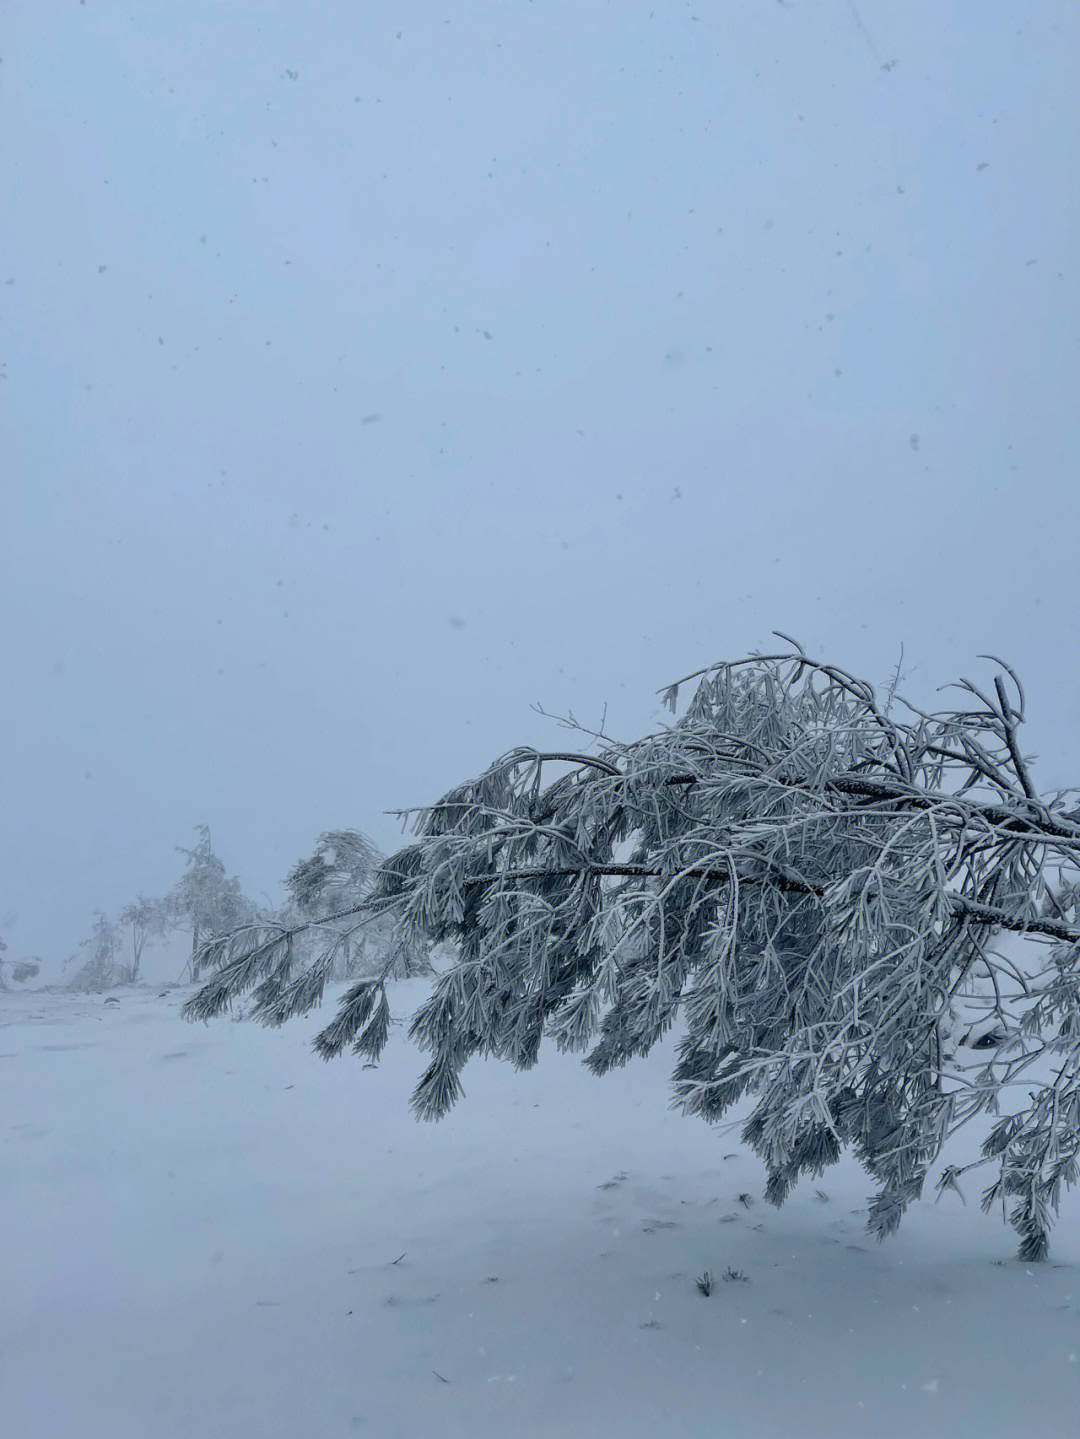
210 1231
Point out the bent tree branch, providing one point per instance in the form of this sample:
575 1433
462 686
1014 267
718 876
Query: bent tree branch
811 884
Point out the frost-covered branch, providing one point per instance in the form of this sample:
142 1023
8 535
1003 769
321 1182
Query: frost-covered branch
812 883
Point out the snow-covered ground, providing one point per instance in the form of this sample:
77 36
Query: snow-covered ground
207 1230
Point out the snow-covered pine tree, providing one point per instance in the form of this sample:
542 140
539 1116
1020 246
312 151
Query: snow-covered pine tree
148 919
102 970
335 879
205 897
813 883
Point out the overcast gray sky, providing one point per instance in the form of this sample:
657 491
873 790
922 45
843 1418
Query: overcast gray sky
376 371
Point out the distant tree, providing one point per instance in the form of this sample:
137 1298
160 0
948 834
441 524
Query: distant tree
205 897
147 919
813 883
339 873
101 970
21 969
338 877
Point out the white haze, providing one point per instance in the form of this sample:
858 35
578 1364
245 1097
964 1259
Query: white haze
374 373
